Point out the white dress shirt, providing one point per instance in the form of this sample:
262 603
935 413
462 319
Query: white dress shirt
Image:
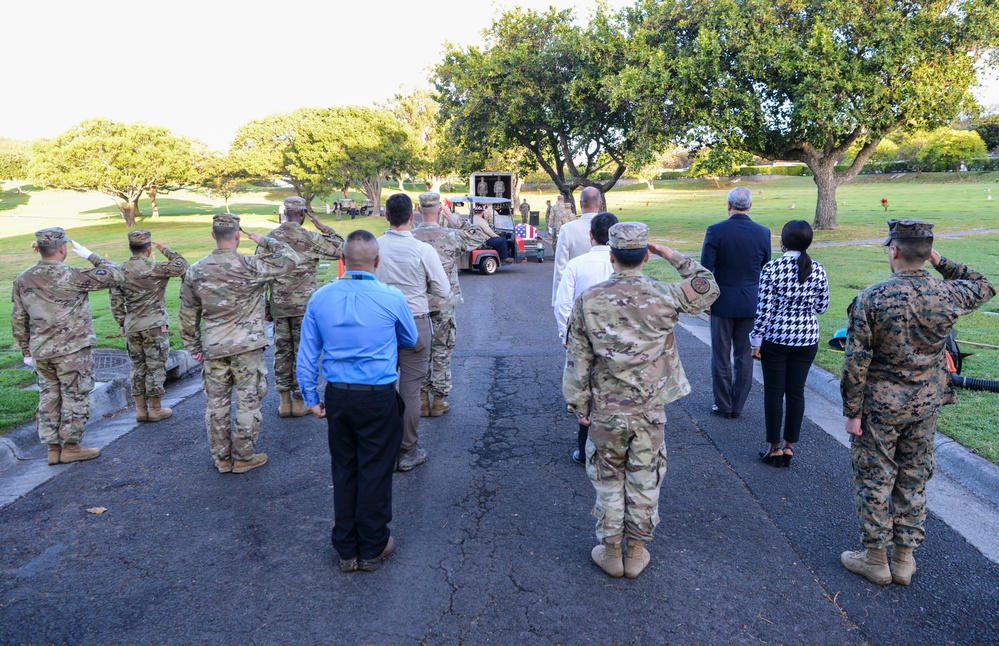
581 273
573 241
413 267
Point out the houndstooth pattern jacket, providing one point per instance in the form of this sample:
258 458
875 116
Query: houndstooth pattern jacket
786 312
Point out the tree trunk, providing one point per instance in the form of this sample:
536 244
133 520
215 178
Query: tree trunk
373 190
129 211
152 200
517 185
826 182
226 198
651 184
401 187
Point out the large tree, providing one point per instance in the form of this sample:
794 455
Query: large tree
436 159
15 159
220 175
988 130
120 160
952 147
804 80
538 83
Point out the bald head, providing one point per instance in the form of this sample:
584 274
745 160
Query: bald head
360 253
589 200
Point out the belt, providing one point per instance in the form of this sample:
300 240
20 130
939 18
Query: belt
364 387
421 316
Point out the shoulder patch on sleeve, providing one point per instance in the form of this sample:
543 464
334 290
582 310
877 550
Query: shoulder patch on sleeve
700 285
101 272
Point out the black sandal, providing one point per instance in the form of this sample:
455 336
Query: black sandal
774 456
788 456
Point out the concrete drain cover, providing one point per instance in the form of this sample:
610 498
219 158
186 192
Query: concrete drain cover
109 361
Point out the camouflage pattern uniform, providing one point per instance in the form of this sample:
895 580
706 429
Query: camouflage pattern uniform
555 222
139 307
622 369
222 317
525 212
895 380
449 244
51 323
290 293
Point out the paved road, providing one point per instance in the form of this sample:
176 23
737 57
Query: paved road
494 533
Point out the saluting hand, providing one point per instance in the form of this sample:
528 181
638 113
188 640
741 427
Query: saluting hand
315 221
158 246
252 235
934 257
661 250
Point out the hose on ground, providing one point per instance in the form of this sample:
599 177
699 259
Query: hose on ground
973 383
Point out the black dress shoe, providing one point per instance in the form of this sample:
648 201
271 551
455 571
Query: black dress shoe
577 457
717 411
370 565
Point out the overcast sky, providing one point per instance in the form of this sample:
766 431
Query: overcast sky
205 67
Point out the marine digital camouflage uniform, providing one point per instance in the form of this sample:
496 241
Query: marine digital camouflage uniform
622 369
139 307
290 293
222 316
895 379
51 323
449 244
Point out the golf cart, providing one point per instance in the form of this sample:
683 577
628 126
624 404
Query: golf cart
485 258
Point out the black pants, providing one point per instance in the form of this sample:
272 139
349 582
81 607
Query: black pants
365 431
785 369
499 244
730 338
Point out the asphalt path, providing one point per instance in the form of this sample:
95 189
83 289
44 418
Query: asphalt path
494 532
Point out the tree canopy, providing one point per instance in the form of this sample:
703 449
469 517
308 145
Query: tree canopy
951 147
988 130
120 160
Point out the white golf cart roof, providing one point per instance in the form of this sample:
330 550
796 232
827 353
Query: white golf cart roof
478 199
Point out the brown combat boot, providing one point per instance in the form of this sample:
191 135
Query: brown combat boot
298 407
607 555
141 412
224 466
440 406
157 412
254 461
635 559
284 410
424 404
73 452
871 564
55 450
903 565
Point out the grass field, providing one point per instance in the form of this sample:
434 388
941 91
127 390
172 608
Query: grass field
677 213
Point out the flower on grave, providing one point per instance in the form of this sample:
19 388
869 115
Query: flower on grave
884 203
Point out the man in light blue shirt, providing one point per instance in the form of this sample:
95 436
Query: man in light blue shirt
358 324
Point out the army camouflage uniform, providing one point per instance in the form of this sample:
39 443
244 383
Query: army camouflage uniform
290 293
622 369
222 317
525 212
51 323
449 244
895 379
555 222
139 308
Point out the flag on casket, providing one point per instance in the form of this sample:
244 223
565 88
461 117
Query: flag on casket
526 231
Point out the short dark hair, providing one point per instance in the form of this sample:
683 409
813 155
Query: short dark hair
913 250
399 209
47 251
629 258
360 235
225 233
600 226
140 247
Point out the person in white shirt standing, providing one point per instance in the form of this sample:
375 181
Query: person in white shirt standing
574 236
582 273
416 270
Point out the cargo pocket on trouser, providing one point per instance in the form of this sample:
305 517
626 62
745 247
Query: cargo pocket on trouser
262 380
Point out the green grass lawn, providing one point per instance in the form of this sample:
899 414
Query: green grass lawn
677 213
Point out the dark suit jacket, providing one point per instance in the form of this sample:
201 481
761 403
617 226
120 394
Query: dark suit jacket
735 251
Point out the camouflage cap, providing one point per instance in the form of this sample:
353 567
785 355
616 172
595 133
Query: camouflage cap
139 236
295 203
51 237
225 221
629 235
430 200
908 229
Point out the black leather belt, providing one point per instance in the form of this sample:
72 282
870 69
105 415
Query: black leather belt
362 387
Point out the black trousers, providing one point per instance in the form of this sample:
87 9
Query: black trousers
365 431
785 370
730 338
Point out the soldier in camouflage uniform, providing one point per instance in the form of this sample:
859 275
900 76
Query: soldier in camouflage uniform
222 324
622 369
525 211
894 382
449 243
139 307
290 293
51 322
556 220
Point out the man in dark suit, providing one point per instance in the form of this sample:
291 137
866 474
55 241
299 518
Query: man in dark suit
735 251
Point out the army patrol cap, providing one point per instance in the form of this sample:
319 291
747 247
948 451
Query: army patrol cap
629 235
295 203
430 200
225 221
908 229
52 237
139 236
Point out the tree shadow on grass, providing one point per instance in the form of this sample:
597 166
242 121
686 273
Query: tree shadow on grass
10 200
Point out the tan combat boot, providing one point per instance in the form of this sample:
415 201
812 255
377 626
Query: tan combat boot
424 404
440 406
284 410
141 412
903 565
871 563
607 555
636 558
73 452
55 450
298 407
157 412
224 466
254 461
